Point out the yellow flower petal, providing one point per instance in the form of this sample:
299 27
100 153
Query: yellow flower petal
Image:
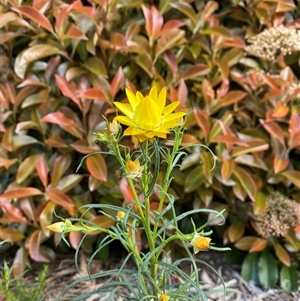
148 117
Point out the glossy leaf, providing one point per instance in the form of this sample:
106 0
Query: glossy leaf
126 191
293 176
46 217
32 54
250 267
282 254
42 169
267 270
274 130
19 263
22 192
253 146
280 164
195 71
22 140
34 15
97 167
34 244
245 243
235 231
260 203
194 179
258 245
209 9
60 198
96 66
227 168
247 182
154 22
231 98
58 118
26 168
11 234
61 164
117 82
95 93
289 278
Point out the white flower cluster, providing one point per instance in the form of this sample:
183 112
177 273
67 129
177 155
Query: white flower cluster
272 41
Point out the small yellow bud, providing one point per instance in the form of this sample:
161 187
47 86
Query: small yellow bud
120 215
164 297
134 168
58 227
200 243
114 127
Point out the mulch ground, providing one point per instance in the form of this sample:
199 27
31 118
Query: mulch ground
63 272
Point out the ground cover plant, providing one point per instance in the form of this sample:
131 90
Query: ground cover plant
233 64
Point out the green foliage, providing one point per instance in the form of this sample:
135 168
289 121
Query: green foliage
14 289
63 64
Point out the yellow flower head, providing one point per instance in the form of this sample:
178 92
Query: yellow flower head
200 243
120 215
134 168
148 117
164 297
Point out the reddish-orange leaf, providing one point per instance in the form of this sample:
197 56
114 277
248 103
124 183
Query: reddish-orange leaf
126 191
195 71
83 147
282 254
117 82
280 164
42 170
231 98
202 119
88 11
229 139
280 110
245 243
95 93
33 244
11 234
56 141
94 183
7 138
58 118
97 167
61 164
154 22
258 245
255 145
294 129
22 192
61 17
74 32
227 168
297 229
171 24
285 6
34 15
13 213
274 130
61 199
68 89
28 208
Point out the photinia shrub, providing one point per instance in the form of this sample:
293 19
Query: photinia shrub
234 66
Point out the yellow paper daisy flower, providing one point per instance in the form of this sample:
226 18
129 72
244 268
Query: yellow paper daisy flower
200 243
148 117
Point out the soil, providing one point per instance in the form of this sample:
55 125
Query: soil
63 272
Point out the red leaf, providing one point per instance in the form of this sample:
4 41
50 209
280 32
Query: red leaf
58 118
274 130
258 245
170 25
42 170
209 9
195 71
68 89
154 22
229 139
280 164
61 199
16 193
74 32
202 119
117 82
61 164
97 167
34 15
126 191
14 214
95 93
34 244
231 98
